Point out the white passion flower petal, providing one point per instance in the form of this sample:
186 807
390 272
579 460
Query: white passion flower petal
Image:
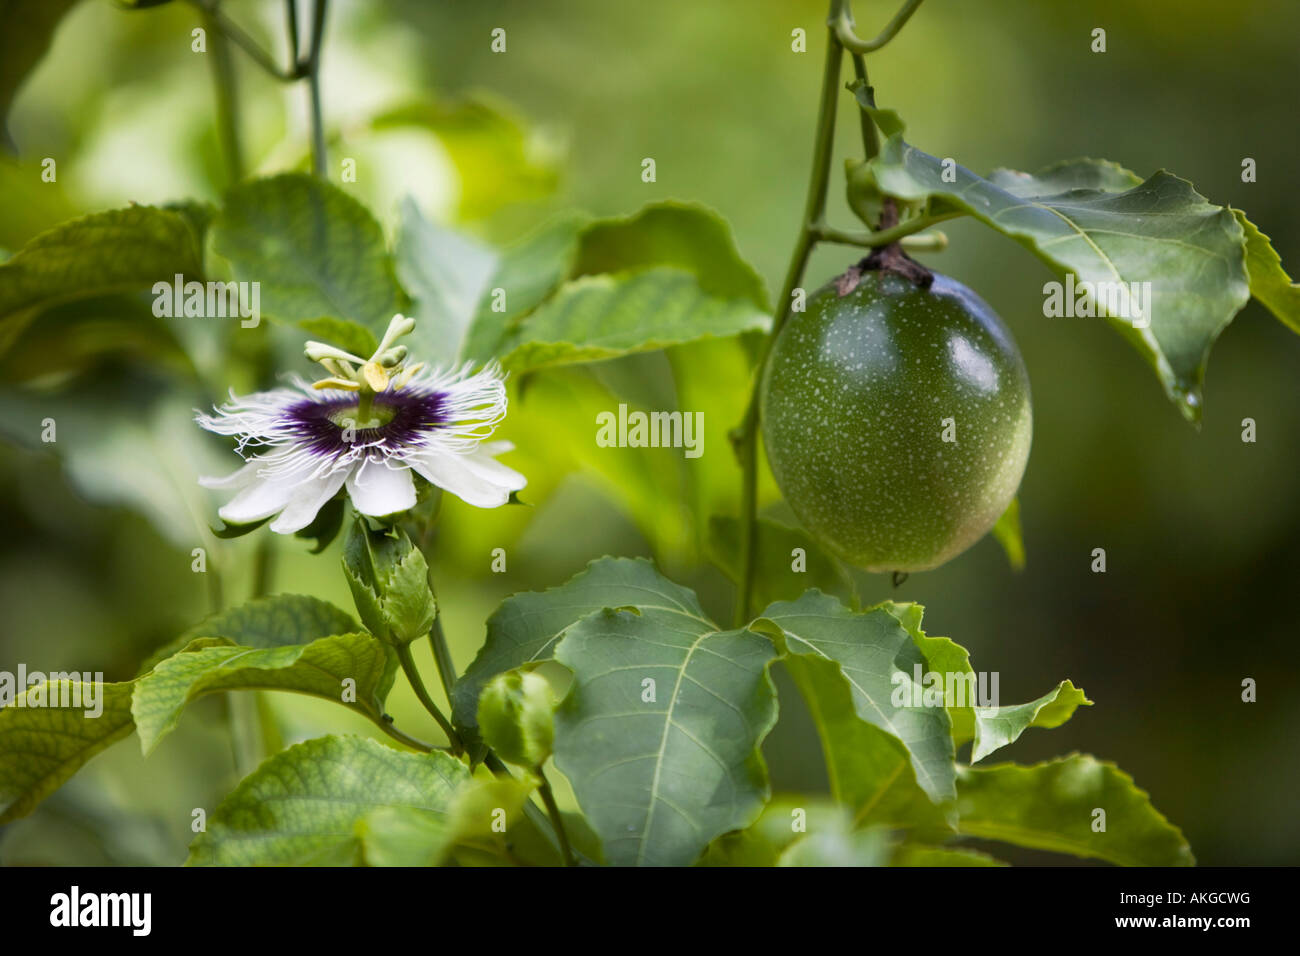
474 477
307 500
378 490
308 444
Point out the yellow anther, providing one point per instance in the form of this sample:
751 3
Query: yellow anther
375 376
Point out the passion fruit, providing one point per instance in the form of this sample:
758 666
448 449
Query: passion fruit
896 418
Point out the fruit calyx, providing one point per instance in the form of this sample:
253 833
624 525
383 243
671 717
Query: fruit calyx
890 258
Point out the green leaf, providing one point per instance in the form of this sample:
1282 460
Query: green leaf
122 250
497 160
780 551
277 621
283 620
686 236
666 275
316 252
1101 223
1052 806
785 819
1269 282
991 728
995 727
526 627
29 29
526 274
878 659
41 747
319 669
446 274
1008 534
336 801
659 733
870 770
913 854
604 316
839 846
346 334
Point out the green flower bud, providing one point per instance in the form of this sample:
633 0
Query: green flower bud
515 717
389 579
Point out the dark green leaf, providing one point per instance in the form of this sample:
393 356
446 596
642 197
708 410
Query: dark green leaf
659 733
319 668
527 626
123 250
336 801
316 251
1099 222
29 27
879 660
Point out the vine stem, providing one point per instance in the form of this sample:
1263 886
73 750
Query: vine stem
557 820
313 83
812 229
417 684
814 210
842 24
223 80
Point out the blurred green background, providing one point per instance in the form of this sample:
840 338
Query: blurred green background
1202 531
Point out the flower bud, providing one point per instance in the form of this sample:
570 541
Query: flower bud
515 717
389 579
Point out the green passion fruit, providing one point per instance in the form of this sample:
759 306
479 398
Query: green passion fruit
896 419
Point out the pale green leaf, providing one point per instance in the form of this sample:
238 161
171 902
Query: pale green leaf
42 746
526 274
604 316
446 273
1008 534
665 275
995 727
918 855
839 846
1269 282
